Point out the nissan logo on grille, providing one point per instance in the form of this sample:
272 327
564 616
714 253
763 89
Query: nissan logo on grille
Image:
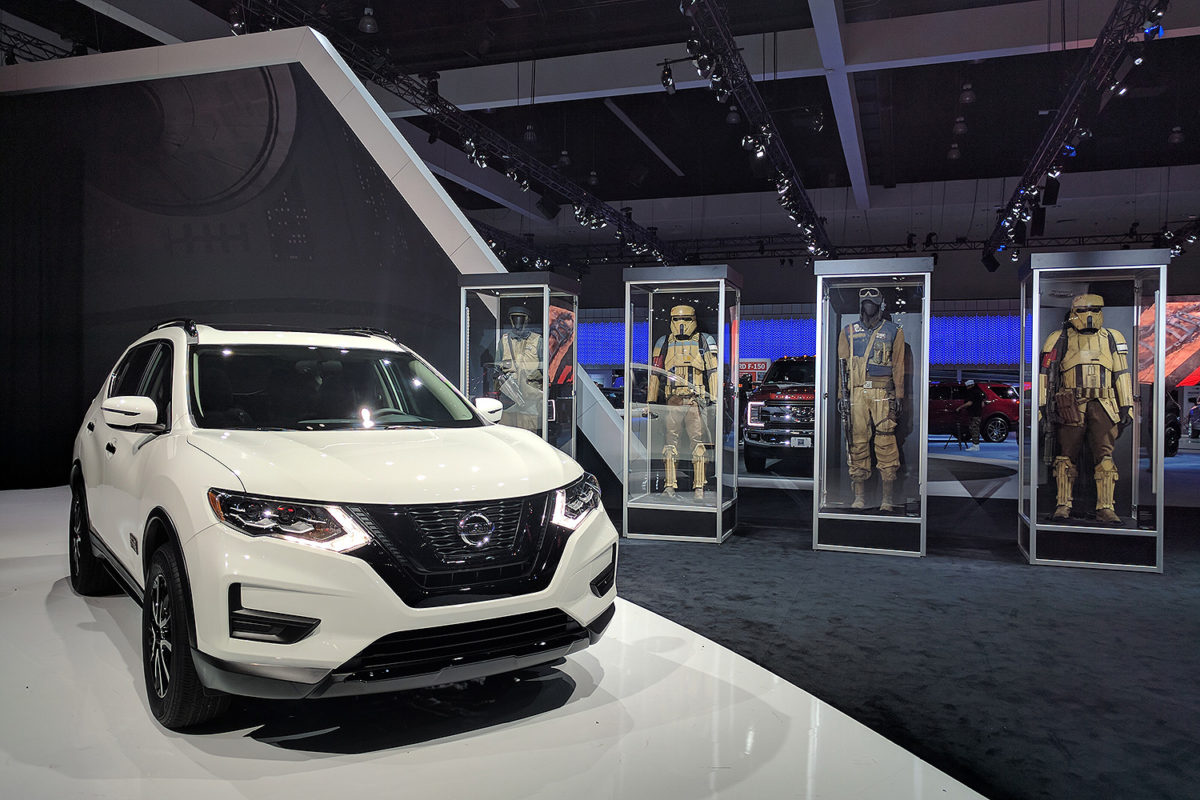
475 529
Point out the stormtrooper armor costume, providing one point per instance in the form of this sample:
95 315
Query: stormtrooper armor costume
519 373
872 354
685 374
1086 390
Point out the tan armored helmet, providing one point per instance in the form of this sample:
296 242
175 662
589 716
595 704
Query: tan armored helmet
683 321
1087 313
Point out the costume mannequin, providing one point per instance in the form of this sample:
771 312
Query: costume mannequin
871 354
689 358
1086 390
519 373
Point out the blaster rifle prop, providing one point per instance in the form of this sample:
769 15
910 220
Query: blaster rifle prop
844 400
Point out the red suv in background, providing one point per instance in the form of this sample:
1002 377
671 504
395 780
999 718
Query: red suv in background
1000 410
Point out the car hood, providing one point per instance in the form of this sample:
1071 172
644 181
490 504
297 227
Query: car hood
782 387
423 465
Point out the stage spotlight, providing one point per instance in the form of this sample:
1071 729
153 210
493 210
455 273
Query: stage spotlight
668 79
367 23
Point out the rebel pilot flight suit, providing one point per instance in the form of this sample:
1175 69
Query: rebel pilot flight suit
1090 365
873 349
689 359
519 373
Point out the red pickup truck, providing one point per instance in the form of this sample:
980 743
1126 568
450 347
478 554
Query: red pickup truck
779 413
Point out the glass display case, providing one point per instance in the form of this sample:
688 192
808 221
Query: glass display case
869 480
681 402
518 346
1092 427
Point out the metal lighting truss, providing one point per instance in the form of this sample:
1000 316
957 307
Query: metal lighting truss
522 255
1179 239
482 145
1097 78
727 72
790 245
26 47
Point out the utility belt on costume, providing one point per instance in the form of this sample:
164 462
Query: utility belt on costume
1089 393
684 394
888 384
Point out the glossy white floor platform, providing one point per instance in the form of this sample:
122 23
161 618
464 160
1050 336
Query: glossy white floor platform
654 711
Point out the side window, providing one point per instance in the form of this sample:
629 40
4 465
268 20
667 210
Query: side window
157 381
127 377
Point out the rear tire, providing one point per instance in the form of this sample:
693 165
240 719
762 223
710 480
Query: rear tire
89 576
176 696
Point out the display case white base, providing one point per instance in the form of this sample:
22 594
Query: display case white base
652 710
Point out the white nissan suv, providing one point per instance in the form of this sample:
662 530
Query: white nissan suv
320 513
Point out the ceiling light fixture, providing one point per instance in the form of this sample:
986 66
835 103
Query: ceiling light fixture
733 117
367 23
960 126
564 159
1176 135
593 179
954 154
530 135
967 96
668 79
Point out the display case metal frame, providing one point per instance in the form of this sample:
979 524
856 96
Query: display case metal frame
831 273
1148 266
664 280
525 285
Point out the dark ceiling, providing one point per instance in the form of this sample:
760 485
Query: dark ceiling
905 115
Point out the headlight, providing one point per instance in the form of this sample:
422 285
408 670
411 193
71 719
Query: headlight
573 503
325 527
754 414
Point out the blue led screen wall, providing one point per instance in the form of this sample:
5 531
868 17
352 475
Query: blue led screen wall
983 340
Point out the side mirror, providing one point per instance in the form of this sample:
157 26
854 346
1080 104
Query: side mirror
490 408
129 412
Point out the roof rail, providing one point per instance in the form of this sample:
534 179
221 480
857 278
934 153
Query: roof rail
188 325
369 332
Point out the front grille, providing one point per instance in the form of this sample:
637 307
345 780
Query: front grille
418 550
421 652
438 525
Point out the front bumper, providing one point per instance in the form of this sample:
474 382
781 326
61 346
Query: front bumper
355 610
779 438
295 683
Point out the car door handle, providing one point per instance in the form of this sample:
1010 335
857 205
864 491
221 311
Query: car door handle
91 426
110 447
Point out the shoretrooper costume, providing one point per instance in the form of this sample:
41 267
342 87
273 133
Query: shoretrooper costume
519 373
689 360
1086 389
871 355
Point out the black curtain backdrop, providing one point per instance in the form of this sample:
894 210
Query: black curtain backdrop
41 268
234 197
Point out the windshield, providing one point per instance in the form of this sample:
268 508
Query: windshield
792 372
293 387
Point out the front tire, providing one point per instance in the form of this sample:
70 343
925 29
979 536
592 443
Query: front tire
996 429
89 576
173 689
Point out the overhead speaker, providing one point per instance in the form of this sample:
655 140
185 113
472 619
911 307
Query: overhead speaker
1050 192
1037 226
990 261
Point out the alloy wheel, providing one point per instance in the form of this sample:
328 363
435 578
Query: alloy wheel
160 635
76 532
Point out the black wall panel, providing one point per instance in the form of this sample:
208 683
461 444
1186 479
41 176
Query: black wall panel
231 197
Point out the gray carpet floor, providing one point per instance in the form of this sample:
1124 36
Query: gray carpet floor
1020 681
